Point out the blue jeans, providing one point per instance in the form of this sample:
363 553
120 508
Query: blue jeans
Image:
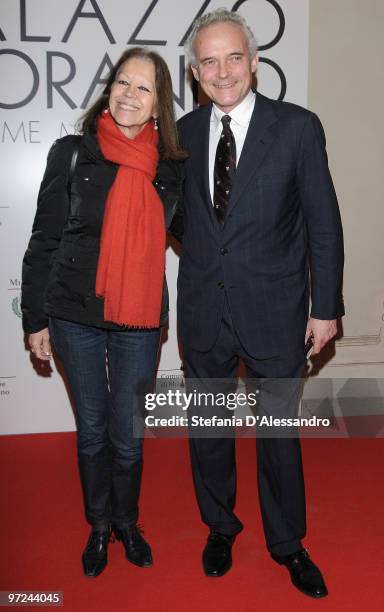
108 373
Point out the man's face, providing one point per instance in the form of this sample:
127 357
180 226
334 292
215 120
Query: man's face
224 68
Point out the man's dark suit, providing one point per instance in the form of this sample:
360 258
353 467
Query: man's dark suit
252 272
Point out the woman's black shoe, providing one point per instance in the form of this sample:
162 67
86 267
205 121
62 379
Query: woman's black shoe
137 550
95 556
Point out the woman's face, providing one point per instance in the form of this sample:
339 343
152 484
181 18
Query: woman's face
132 101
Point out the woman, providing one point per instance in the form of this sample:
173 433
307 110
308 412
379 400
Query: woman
94 284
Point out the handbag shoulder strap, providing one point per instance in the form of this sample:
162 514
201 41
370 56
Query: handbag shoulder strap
72 167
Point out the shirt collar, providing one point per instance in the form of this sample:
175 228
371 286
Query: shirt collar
241 114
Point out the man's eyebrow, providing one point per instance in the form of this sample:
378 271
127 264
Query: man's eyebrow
204 59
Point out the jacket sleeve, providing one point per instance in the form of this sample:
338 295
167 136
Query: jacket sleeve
323 221
176 227
51 215
171 175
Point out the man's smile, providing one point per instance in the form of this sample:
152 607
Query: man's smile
224 85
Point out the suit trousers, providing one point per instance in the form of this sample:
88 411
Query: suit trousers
279 464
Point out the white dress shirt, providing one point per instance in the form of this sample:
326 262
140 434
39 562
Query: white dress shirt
240 118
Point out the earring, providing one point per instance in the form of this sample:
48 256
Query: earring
155 126
105 111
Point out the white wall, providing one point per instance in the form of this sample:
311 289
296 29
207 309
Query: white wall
346 90
33 398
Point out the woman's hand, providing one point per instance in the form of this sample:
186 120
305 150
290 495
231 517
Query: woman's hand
40 344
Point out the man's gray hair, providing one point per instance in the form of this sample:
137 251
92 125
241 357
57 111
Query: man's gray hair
221 15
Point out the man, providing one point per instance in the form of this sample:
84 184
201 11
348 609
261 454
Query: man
259 207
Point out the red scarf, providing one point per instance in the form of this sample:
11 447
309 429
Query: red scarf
130 270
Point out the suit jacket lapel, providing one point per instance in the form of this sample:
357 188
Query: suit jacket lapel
200 162
257 142
200 157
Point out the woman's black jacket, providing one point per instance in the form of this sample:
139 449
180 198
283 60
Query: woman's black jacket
59 266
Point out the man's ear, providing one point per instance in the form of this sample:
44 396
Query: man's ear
195 72
254 63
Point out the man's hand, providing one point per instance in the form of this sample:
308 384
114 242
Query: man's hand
40 344
322 331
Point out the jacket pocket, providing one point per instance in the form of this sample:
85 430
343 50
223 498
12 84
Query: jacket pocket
73 275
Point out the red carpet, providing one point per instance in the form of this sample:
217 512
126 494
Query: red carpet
43 531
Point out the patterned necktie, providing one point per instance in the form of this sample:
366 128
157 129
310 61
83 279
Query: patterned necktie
225 168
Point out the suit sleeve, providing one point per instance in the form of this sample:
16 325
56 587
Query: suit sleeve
323 221
51 215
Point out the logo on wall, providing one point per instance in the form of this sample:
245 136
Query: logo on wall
3 208
5 390
16 306
15 285
170 379
59 62
272 43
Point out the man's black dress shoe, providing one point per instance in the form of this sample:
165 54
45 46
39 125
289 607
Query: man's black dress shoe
95 556
304 573
137 550
217 555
